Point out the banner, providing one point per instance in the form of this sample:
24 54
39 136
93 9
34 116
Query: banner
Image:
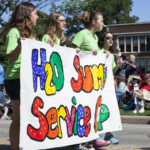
66 97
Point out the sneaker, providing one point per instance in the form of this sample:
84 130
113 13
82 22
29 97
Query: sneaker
135 111
4 117
100 143
142 110
111 138
82 147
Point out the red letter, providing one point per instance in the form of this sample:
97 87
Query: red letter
38 134
87 117
76 85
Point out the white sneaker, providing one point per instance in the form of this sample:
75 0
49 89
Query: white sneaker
4 117
135 111
142 110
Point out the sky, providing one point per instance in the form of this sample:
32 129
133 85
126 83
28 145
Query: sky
141 9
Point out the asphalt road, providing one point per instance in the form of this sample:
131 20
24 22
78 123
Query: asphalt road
132 137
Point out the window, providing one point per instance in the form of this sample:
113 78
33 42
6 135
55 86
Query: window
142 43
128 44
135 44
121 43
148 43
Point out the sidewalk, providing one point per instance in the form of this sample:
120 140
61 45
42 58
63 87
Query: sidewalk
135 119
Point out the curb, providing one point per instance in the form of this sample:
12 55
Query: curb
135 119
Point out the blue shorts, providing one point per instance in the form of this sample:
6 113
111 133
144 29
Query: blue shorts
12 88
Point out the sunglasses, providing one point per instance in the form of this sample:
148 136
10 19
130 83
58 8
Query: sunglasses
108 38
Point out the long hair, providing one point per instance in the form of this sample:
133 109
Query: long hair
20 19
101 41
51 28
87 17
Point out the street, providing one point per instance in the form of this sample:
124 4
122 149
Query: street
132 137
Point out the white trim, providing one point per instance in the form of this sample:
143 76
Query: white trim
132 33
128 24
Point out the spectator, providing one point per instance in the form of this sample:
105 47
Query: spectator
121 69
120 87
7 108
1 77
131 67
117 54
137 101
140 72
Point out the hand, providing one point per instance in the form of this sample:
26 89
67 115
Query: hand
119 61
50 41
78 50
94 52
68 39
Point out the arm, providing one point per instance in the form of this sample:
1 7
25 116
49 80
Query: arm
132 65
66 41
13 56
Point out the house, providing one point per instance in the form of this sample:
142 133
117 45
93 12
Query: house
133 38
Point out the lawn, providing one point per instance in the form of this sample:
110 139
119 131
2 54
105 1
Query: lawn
130 112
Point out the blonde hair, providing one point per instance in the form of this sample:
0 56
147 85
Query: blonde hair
51 28
87 17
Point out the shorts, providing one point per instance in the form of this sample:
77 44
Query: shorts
12 88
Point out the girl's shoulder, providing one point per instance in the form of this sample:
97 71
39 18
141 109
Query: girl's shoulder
13 31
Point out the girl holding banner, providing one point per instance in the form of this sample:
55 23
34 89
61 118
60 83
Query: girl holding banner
105 44
19 26
54 34
87 40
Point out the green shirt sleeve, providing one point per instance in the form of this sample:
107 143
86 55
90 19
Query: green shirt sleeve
11 40
45 38
78 39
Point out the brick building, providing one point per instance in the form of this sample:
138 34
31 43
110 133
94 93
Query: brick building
133 38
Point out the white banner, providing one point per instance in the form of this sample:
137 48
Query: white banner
66 97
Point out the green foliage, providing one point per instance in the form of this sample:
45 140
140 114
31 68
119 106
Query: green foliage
41 24
114 11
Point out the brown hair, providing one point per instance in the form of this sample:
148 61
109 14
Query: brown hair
101 41
51 28
87 17
20 19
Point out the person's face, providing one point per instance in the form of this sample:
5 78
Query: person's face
108 40
61 23
99 24
147 80
34 17
131 58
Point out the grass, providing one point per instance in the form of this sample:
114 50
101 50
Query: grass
130 112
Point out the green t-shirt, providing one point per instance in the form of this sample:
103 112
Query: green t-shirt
113 59
46 37
85 40
13 69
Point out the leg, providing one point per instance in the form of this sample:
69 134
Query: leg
136 101
142 103
15 125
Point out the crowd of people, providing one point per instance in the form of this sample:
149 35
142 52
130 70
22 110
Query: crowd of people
20 26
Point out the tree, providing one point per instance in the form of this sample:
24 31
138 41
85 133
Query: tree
6 6
114 11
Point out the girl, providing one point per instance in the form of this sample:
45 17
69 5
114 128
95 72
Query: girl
54 34
19 26
106 44
87 40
